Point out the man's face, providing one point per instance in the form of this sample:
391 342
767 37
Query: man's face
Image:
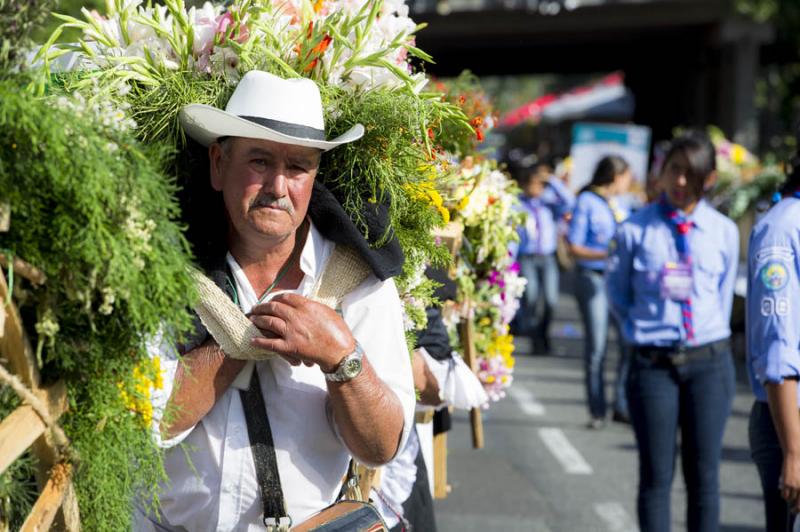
266 185
682 189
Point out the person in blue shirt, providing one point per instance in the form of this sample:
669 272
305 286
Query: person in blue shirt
545 200
671 273
593 223
773 354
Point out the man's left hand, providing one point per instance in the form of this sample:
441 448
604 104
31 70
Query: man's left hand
302 331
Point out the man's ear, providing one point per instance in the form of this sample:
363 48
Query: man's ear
710 181
215 156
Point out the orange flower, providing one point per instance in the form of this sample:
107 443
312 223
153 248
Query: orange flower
318 6
323 45
309 67
477 121
479 135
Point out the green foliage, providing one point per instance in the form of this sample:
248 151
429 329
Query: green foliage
18 20
91 208
392 155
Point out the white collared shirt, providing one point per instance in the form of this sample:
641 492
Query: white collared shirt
219 489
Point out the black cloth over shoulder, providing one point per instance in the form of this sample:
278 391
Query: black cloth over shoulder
434 337
333 223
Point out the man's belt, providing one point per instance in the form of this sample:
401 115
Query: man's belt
681 354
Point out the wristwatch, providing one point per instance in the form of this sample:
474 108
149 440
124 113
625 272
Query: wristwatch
349 368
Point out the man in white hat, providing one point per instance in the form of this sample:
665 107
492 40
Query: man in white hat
342 384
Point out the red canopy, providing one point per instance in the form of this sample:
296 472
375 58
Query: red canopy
580 98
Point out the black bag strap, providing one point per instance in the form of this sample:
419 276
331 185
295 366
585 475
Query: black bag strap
276 517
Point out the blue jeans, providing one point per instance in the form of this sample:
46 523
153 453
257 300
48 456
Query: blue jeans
768 457
590 291
541 272
697 397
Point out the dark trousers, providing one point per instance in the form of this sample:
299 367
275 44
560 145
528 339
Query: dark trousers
418 508
696 397
590 292
765 448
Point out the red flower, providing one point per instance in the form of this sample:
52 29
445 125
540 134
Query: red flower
683 228
479 135
323 45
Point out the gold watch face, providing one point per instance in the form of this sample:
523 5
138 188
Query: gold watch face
352 368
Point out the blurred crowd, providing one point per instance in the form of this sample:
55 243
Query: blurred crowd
657 263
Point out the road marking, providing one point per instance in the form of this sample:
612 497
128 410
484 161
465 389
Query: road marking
563 450
615 517
526 401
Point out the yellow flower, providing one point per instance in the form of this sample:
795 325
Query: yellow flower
485 321
463 203
445 213
738 154
490 379
436 198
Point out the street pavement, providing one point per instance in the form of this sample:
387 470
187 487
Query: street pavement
542 470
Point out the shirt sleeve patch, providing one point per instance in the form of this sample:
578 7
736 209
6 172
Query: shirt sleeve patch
779 253
774 275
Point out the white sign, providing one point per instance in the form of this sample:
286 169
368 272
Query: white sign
592 142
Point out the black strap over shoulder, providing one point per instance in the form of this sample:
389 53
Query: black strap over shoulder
269 481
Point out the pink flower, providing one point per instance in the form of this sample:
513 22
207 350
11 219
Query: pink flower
225 22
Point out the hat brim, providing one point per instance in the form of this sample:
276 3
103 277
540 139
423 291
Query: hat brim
206 124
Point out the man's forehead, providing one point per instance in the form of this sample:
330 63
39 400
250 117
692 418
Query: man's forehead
256 146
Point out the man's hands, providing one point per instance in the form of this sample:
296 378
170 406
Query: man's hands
302 331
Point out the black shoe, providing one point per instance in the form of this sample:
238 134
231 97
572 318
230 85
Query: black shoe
540 347
621 417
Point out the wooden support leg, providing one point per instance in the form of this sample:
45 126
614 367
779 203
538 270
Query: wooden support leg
440 486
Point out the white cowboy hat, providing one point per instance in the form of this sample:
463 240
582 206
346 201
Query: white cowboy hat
264 106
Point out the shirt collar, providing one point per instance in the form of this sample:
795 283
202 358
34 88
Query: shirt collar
311 262
699 217
313 254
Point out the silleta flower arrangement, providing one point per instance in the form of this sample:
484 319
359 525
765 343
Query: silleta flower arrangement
482 198
743 178
155 59
94 204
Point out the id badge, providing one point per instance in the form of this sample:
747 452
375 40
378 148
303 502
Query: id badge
676 281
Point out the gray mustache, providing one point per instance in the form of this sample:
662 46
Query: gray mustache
269 200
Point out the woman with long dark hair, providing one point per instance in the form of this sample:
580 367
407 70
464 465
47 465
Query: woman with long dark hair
593 223
670 282
773 355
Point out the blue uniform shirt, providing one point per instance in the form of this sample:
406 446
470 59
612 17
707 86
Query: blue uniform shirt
773 297
592 226
638 254
539 234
